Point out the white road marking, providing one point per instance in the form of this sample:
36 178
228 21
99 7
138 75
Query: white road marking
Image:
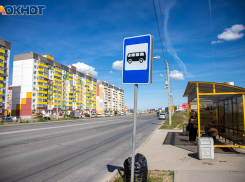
5 133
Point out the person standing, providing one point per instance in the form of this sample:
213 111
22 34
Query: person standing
193 124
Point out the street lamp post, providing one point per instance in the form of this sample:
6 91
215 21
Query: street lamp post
169 92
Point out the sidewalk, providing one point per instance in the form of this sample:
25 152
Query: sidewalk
170 150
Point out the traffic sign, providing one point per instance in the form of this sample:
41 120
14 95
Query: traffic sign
137 60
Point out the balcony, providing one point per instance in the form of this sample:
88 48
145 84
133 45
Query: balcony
42 97
44 103
56 79
43 81
43 65
55 69
55 74
2 50
59 104
43 92
44 76
2 57
42 86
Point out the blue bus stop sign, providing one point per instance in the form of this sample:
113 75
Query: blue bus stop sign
137 60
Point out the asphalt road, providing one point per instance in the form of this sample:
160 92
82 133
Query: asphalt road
78 150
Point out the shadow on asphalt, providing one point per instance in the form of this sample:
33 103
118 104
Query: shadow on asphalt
111 168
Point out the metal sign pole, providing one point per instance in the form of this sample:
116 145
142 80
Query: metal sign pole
134 130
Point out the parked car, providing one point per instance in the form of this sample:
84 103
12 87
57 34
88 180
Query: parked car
14 118
100 115
111 115
162 116
46 118
107 114
93 115
7 119
82 116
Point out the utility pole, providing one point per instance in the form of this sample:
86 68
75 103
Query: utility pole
169 92
169 97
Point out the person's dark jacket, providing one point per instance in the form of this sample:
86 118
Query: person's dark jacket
195 124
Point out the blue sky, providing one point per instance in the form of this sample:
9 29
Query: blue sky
204 41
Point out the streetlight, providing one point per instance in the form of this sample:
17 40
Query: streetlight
169 92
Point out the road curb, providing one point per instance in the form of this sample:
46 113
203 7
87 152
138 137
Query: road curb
175 176
116 170
148 138
112 175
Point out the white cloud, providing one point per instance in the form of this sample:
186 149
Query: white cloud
217 42
161 75
232 33
111 71
84 68
117 65
176 75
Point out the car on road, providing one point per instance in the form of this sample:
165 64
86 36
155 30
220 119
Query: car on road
162 116
7 119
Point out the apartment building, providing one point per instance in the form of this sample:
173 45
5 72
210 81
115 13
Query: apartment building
5 48
9 99
109 98
40 86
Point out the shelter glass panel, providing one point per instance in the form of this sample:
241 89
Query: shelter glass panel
240 119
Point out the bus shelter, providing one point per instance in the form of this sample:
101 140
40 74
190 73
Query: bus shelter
221 111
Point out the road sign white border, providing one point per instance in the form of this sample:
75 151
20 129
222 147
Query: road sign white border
150 58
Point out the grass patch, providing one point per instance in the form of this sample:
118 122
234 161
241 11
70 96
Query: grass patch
153 176
178 119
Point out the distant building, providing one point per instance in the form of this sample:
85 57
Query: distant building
125 109
41 85
109 98
5 48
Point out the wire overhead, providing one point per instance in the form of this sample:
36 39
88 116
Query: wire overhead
158 28
163 29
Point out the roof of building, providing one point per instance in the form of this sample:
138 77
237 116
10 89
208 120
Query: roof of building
5 44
